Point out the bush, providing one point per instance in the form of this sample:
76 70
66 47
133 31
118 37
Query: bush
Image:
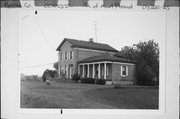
101 81
48 73
76 77
30 78
88 80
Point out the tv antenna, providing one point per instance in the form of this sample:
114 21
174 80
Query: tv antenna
95 30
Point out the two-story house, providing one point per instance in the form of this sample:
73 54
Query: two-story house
94 60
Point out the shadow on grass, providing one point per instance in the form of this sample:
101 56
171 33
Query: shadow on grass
125 98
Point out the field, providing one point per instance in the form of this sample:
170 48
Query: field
35 94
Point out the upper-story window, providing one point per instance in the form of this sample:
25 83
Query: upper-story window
124 71
65 55
60 56
71 55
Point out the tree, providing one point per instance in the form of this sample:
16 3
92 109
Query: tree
55 65
76 77
48 73
127 52
146 54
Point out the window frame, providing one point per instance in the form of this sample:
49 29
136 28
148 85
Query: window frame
65 56
71 55
126 71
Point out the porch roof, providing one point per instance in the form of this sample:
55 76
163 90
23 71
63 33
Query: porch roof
106 57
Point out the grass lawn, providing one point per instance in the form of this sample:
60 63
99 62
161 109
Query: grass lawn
35 94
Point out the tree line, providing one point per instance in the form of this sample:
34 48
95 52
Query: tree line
146 55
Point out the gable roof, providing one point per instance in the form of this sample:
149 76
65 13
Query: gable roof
106 57
87 45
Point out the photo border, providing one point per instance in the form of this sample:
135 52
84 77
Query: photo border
170 64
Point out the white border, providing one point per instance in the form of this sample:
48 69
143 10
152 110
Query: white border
9 73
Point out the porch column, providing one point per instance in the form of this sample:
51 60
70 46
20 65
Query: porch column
83 71
59 71
105 70
67 70
99 74
88 71
93 71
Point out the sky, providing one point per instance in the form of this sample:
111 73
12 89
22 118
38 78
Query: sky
41 34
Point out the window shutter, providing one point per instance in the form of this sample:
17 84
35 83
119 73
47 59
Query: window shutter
60 56
63 56
72 54
126 70
121 70
68 55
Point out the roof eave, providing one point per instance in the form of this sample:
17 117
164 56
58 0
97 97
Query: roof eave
58 48
107 60
94 49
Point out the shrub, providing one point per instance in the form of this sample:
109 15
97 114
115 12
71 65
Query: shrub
76 77
31 78
108 79
88 80
48 73
101 81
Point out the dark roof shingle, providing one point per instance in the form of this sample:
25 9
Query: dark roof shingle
87 45
106 57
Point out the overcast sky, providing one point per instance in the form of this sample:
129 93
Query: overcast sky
41 34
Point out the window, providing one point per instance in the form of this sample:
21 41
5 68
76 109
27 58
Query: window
65 70
60 56
65 55
124 71
60 70
71 55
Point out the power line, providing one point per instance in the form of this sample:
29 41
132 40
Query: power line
43 33
24 17
36 66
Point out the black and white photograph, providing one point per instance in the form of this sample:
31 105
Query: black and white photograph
90 60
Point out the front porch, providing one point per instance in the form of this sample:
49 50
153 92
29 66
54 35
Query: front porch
96 70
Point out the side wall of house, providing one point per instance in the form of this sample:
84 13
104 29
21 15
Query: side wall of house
127 80
66 48
78 54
